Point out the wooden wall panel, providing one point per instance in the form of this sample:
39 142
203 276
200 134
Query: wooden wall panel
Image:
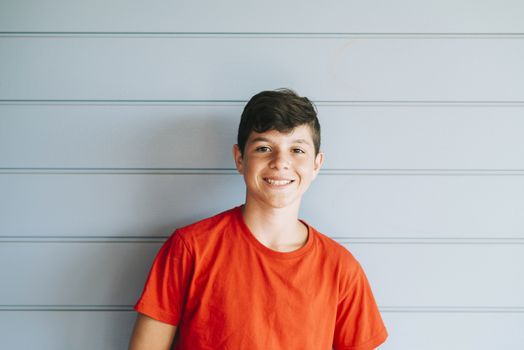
65 330
396 206
86 330
446 16
448 330
355 136
111 204
178 67
88 274
127 204
444 275
433 276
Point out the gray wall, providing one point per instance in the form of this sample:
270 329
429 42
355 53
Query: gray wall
116 125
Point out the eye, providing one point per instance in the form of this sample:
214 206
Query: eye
263 149
298 150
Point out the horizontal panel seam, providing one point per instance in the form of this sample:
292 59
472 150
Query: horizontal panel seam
238 34
66 308
343 240
452 309
385 309
233 171
241 102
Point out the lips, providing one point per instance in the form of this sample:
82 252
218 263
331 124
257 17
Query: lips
277 182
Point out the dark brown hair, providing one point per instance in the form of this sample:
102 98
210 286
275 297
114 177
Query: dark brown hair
281 110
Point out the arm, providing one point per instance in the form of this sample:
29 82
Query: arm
151 334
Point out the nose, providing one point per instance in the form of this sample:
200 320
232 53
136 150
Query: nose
280 160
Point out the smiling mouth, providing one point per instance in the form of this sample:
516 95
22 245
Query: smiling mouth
277 182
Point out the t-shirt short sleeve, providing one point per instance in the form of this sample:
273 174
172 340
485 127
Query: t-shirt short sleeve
359 325
166 287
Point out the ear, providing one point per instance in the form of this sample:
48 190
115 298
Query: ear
319 160
239 161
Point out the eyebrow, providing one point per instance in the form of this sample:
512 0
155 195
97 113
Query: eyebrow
264 139
260 139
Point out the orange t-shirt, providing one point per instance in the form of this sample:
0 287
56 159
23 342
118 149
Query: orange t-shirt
226 290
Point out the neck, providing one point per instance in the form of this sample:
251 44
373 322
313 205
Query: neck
276 228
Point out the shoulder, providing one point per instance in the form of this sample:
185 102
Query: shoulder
335 248
336 254
349 274
204 231
212 223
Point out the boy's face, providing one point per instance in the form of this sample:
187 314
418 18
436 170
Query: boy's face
278 167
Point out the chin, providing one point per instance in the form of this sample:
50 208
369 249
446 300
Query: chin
282 203
274 201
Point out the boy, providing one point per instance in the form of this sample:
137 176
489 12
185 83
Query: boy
255 276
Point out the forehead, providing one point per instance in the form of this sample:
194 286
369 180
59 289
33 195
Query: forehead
301 133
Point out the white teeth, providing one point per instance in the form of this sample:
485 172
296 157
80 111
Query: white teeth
278 182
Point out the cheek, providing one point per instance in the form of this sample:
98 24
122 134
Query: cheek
308 171
250 169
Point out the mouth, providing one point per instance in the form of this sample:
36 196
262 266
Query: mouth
278 182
